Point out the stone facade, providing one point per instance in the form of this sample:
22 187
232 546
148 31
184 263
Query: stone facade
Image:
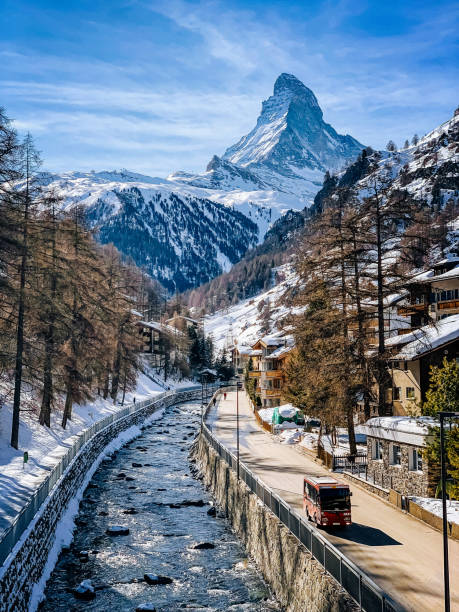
402 478
298 581
24 566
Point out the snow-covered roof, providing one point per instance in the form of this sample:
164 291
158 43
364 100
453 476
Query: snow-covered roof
278 340
454 273
136 313
279 352
447 260
429 338
182 317
409 430
160 327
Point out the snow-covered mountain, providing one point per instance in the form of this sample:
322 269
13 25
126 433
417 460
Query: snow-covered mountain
289 149
180 238
189 228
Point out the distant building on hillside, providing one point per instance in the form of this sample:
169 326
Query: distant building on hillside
182 323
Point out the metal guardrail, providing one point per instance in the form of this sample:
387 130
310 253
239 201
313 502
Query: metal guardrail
10 536
366 593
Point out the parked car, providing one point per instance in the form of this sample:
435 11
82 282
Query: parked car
326 501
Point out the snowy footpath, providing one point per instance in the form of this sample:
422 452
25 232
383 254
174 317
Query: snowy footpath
45 447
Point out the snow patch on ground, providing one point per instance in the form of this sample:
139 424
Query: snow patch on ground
435 507
46 447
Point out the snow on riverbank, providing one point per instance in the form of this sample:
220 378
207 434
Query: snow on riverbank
434 506
47 446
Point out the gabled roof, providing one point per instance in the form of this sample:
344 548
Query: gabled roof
280 352
427 338
410 430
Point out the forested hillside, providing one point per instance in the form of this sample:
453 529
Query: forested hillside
67 323
422 178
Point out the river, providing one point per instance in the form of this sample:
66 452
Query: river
143 487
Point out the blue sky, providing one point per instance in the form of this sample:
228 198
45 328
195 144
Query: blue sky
157 86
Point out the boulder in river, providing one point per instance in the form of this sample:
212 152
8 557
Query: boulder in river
129 478
130 511
121 475
155 579
204 546
146 607
85 591
136 465
212 511
117 530
103 513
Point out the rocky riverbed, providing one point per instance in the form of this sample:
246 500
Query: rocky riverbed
148 537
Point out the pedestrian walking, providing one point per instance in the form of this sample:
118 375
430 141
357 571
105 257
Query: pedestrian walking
224 396
215 401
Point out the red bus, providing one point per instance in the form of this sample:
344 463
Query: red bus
326 501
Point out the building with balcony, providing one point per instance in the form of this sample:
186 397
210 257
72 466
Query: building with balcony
242 355
432 295
270 372
412 356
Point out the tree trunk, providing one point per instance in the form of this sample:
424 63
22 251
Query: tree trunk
67 416
45 409
20 324
381 364
106 383
48 390
116 374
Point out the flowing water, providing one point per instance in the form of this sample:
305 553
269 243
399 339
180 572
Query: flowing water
149 500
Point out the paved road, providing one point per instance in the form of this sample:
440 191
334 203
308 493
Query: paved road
400 553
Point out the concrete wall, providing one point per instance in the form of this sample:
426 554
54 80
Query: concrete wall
24 566
298 581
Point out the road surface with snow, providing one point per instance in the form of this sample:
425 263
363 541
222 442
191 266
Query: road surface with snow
400 553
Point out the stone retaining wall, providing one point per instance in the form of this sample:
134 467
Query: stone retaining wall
298 581
24 566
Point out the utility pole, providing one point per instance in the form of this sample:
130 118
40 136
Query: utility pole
237 426
442 416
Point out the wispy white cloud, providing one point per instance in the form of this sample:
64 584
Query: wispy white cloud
169 102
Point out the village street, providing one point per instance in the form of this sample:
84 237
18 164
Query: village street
401 554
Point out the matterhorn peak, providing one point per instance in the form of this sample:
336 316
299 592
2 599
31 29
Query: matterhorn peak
291 138
289 82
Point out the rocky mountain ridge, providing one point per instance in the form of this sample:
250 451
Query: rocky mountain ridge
178 228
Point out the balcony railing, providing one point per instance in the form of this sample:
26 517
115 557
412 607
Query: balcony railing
273 373
411 309
254 373
448 304
272 392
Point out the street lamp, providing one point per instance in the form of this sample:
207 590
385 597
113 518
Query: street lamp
238 385
445 415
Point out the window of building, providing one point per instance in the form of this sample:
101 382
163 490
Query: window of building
415 460
377 450
405 365
410 393
396 454
396 393
396 365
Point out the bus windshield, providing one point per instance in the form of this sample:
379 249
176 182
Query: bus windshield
335 499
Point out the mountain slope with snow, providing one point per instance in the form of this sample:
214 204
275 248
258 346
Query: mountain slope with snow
189 228
289 149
